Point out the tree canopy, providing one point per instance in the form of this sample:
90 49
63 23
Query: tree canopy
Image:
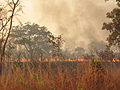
34 41
113 26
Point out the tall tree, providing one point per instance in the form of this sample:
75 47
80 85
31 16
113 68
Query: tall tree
35 42
6 22
113 27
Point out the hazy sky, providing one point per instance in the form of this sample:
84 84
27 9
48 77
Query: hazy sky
80 21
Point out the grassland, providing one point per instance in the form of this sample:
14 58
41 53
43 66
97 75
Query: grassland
60 76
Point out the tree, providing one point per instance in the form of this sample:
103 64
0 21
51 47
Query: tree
8 11
79 52
113 26
57 42
33 41
96 46
107 54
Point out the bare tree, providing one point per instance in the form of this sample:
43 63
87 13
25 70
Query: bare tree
6 22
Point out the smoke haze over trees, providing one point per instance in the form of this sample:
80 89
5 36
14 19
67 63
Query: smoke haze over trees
75 19
79 22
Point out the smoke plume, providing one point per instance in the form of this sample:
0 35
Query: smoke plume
80 21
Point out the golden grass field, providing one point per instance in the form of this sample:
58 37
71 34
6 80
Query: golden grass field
92 77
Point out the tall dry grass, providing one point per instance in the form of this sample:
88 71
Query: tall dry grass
82 77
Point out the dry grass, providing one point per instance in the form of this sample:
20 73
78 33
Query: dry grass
93 77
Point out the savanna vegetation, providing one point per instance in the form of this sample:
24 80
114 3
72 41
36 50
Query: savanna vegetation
46 65
61 76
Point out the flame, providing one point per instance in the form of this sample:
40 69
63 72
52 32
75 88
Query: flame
78 60
115 60
24 60
81 60
70 60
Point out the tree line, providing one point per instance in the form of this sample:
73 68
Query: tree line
32 41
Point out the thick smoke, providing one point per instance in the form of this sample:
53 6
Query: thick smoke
80 21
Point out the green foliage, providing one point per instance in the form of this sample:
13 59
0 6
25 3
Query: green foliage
53 89
33 40
38 79
95 59
113 26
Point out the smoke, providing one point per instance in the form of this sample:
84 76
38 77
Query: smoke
80 21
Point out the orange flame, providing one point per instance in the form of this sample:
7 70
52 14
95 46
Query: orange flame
115 60
71 60
24 60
